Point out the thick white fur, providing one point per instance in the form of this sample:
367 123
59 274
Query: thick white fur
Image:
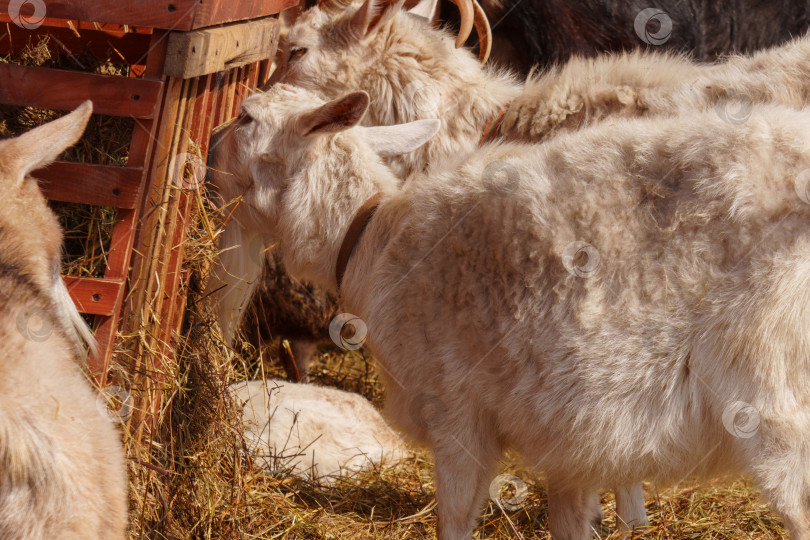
585 91
412 71
700 299
314 432
62 471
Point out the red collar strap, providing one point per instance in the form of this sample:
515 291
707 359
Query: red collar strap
494 125
353 235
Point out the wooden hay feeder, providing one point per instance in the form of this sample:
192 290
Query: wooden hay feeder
191 63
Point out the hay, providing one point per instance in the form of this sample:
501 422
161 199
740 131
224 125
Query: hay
189 475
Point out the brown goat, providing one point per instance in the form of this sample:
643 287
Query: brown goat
62 473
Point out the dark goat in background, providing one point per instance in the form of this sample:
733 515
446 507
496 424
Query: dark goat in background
546 32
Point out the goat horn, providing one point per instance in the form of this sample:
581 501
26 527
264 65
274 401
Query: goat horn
484 32
466 9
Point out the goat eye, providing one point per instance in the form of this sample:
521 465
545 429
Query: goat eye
244 119
297 52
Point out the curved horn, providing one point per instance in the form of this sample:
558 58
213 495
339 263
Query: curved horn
484 32
466 9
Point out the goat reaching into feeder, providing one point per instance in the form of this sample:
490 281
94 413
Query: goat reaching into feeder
62 473
479 308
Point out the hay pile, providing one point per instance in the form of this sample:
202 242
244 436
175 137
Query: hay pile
189 475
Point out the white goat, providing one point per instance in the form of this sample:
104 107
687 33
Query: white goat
411 70
684 351
314 432
585 91
62 472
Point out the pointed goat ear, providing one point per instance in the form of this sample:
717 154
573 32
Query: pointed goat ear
335 116
41 146
373 15
400 139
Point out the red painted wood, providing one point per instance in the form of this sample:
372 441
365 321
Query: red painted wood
166 14
65 90
90 184
126 49
95 296
126 229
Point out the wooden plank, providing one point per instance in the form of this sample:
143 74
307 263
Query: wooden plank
79 25
95 296
167 14
83 183
125 230
201 52
65 90
222 11
120 47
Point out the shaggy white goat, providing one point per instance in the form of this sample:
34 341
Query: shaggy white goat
314 432
626 302
412 70
62 473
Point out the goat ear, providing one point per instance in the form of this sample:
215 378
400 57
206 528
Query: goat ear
373 15
400 139
42 145
289 15
427 9
337 115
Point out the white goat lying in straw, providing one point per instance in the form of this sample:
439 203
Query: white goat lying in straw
314 432
62 473
480 310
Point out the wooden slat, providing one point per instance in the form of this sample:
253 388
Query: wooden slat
168 14
65 90
83 183
221 11
120 47
201 52
125 230
95 296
